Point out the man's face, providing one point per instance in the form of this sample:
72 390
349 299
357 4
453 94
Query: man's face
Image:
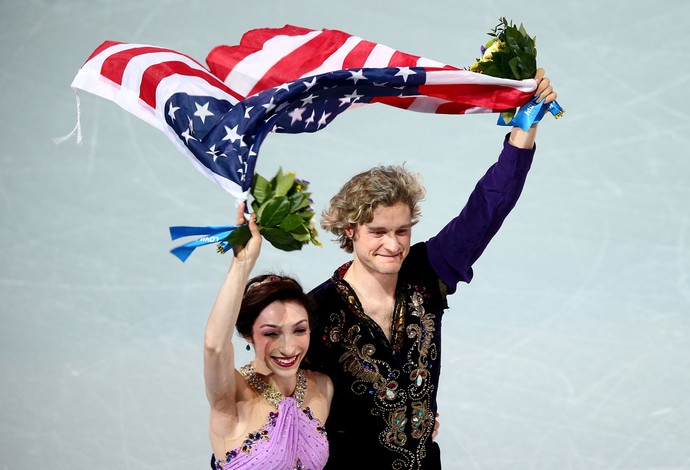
380 246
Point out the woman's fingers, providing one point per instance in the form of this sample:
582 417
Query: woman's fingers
539 75
253 228
240 213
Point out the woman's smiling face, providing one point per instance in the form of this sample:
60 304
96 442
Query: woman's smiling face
281 338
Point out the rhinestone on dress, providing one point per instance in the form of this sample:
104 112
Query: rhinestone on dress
273 396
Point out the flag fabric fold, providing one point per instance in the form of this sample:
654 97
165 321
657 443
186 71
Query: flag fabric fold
267 57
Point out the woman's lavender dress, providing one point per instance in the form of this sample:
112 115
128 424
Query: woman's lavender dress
291 439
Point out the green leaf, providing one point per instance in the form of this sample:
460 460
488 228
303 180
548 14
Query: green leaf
240 236
280 239
261 189
513 41
528 65
283 183
307 217
273 212
295 200
255 206
515 67
299 201
508 115
301 233
291 222
260 209
522 30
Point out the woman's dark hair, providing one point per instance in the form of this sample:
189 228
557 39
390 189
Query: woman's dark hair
261 291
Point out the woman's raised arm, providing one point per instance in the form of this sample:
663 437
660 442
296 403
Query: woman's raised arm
219 358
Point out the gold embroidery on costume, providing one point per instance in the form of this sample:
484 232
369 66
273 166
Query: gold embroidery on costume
357 362
398 325
396 427
422 419
423 334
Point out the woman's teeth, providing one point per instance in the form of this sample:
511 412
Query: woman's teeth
285 362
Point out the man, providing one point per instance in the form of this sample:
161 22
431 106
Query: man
379 316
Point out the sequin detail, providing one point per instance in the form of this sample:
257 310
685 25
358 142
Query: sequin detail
273 396
248 444
319 427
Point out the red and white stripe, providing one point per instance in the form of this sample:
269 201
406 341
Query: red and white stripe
268 57
141 78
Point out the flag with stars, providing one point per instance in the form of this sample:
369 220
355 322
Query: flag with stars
220 124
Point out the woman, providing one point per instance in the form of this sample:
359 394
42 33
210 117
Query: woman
267 414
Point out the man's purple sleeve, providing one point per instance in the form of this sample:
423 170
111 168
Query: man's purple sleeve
453 251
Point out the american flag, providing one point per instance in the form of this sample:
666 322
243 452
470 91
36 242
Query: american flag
288 80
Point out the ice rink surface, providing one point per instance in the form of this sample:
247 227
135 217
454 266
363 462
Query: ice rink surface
569 350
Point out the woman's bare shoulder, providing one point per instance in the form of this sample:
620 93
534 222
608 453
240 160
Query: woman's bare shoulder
323 383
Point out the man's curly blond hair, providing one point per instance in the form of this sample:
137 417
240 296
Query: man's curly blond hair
355 203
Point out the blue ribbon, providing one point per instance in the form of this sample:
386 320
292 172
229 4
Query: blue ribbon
531 113
212 234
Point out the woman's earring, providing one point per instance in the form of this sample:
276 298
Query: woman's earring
248 347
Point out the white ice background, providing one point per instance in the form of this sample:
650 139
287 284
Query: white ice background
569 350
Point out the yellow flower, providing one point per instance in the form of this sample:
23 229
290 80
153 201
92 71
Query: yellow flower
491 47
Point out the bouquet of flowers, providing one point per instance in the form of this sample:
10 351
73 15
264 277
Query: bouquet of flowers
510 53
283 213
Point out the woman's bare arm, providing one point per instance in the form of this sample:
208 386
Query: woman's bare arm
219 358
